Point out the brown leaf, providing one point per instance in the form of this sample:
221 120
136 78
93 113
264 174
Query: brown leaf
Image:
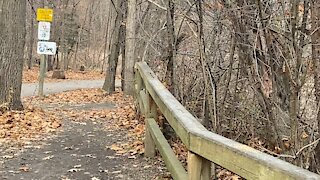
24 169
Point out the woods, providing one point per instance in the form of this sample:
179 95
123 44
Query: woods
247 70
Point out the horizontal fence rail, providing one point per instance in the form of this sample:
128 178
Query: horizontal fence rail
204 146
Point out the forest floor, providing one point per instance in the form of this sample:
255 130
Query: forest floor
80 134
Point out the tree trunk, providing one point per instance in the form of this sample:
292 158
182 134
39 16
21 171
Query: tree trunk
12 41
74 66
122 42
31 40
62 42
130 48
316 61
172 48
109 83
50 63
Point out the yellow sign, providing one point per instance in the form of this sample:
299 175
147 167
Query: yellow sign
44 15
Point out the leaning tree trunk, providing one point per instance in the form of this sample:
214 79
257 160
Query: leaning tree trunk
109 83
12 41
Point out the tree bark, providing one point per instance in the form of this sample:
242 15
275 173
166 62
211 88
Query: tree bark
12 41
315 15
130 48
31 40
171 48
109 83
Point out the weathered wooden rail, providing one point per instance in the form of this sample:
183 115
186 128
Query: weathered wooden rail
204 146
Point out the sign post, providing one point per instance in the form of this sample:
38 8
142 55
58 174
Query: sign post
44 48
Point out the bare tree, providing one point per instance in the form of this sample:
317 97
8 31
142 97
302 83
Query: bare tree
170 73
109 83
31 36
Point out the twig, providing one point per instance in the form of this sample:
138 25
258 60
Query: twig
306 146
275 154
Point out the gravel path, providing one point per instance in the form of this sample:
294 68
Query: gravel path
51 88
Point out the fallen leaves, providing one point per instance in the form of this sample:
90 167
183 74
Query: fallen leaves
29 123
128 149
76 168
121 117
74 106
7 157
48 157
116 147
227 175
24 169
180 150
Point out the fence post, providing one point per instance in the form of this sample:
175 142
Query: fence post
148 107
199 168
138 88
151 112
150 147
138 82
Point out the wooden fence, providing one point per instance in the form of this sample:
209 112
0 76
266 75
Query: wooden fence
204 146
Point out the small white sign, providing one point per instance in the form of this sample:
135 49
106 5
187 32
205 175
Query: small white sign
44 31
48 48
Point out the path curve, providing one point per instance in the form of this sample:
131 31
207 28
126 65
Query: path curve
31 89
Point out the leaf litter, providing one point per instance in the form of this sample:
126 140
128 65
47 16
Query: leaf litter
37 120
18 127
121 117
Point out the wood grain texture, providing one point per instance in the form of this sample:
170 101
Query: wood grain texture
244 160
149 145
198 167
